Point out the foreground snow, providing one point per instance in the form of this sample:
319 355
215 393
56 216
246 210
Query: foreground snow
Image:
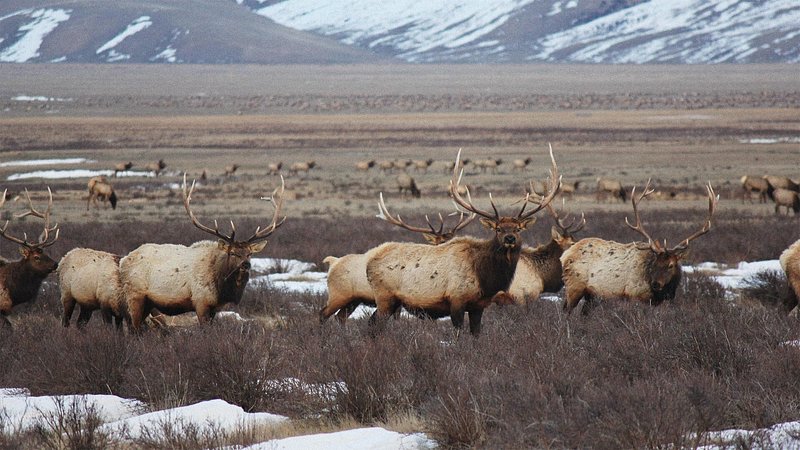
357 439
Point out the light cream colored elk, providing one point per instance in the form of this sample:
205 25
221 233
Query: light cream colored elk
521 165
461 275
779 182
100 189
230 170
421 165
786 198
156 167
755 184
347 276
610 186
407 185
790 263
363 166
304 167
175 279
90 279
645 272
274 167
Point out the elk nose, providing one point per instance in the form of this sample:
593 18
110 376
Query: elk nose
509 240
246 265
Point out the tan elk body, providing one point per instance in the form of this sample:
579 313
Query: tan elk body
755 184
101 189
609 186
786 198
90 279
790 263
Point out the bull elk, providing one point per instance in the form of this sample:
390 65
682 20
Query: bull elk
640 271
122 167
610 186
755 184
156 167
20 280
790 263
461 275
101 189
348 286
202 277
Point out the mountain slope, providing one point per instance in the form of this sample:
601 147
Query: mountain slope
196 31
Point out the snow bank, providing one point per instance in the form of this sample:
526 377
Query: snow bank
75 173
24 411
357 439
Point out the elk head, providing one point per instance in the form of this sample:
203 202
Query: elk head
33 253
664 269
563 233
239 252
506 228
433 235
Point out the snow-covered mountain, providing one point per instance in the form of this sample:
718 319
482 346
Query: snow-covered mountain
347 31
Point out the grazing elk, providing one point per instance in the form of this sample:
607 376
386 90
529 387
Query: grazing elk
101 189
461 275
202 277
539 268
155 167
407 185
521 165
304 167
386 166
790 262
610 186
450 165
274 168
348 286
122 167
401 164
644 272
777 182
752 184
421 165
20 280
488 164
230 170
363 166
90 279
785 197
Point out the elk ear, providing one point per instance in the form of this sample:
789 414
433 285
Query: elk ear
430 238
222 245
554 234
24 251
257 247
524 224
489 224
680 252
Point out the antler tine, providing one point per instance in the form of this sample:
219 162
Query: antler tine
187 198
467 204
551 191
713 199
638 227
3 199
44 237
261 234
387 216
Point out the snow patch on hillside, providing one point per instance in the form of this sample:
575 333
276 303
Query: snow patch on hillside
134 27
32 34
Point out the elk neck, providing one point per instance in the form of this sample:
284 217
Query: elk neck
495 265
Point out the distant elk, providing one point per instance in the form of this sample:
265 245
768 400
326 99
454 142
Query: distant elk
520 165
790 262
230 170
610 186
385 166
777 182
363 166
122 167
101 189
202 277
421 165
304 167
755 184
402 164
348 286
490 164
274 168
569 189
450 165
156 167
460 276
786 198
20 280
90 280
406 184
646 272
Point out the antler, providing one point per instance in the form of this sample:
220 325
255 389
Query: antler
655 245
44 238
551 191
440 233
259 234
455 181
569 228
713 199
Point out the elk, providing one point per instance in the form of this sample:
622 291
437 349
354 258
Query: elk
202 277
386 166
274 168
777 182
363 166
610 186
401 164
101 189
230 170
421 165
407 185
347 276
90 279
640 271
785 197
304 167
490 163
155 167
20 280
461 275
122 167
752 184
520 165
539 268
790 262
450 165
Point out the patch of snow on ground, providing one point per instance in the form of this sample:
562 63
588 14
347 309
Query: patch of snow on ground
134 27
733 277
45 162
23 411
770 140
356 439
39 98
32 34
75 173
290 266
782 435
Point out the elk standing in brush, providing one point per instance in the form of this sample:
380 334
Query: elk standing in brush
90 279
790 262
645 272
462 275
101 189
20 280
755 184
200 278
348 286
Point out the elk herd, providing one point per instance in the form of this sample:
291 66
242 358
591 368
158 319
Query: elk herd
447 276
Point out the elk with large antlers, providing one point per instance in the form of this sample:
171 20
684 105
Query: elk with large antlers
348 286
20 280
200 278
462 275
641 271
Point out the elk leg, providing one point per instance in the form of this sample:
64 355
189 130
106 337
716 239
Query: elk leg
108 318
347 311
457 317
4 323
69 307
475 321
572 297
204 314
84 315
136 312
